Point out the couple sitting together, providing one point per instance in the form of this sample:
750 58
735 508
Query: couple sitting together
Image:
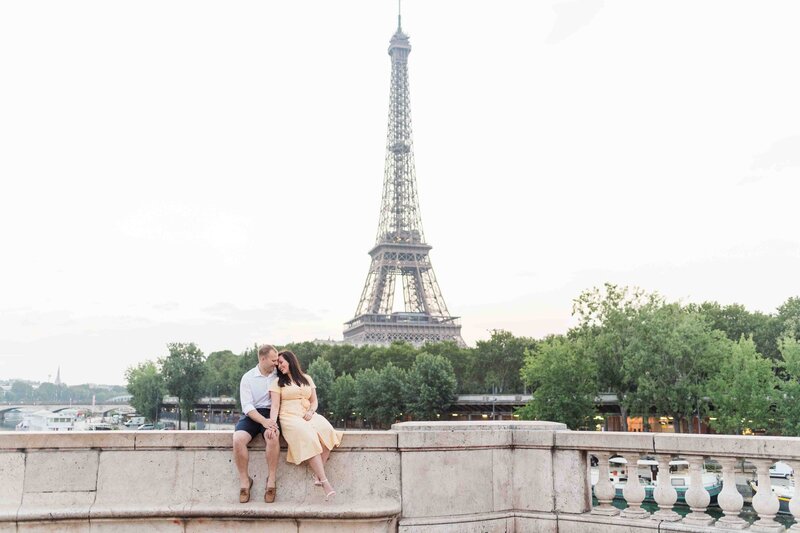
278 398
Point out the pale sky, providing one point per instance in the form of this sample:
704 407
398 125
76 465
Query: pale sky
211 171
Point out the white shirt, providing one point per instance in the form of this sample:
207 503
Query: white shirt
254 389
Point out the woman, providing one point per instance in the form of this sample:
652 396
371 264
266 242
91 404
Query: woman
310 437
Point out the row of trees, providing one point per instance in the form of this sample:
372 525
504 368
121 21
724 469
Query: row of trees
25 392
742 369
422 387
656 356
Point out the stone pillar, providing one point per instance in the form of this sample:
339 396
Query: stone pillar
729 500
633 492
479 472
664 493
765 502
604 489
697 497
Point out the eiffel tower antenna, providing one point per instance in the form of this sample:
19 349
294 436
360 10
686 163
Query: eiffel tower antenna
400 249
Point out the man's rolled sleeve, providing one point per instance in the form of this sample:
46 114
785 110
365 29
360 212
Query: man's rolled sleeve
246 395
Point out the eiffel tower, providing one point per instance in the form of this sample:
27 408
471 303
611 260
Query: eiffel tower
400 249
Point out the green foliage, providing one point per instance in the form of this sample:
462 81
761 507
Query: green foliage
788 405
431 386
146 384
343 398
392 402
563 378
788 318
673 353
502 357
743 390
183 370
466 365
307 352
321 372
608 322
222 374
368 395
735 321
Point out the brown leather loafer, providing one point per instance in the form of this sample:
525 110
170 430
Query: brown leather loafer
269 496
244 494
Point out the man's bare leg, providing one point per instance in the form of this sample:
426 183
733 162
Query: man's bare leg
241 456
273 451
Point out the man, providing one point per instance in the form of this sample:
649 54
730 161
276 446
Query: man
255 422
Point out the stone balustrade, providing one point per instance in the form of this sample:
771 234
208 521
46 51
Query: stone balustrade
418 477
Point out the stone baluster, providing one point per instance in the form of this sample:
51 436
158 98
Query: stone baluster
765 502
604 489
633 492
729 500
664 493
794 503
697 497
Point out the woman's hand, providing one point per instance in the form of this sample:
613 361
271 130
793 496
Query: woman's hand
309 414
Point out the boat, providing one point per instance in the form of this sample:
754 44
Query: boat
784 493
647 474
47 421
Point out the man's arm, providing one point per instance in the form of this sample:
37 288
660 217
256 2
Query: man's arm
272 428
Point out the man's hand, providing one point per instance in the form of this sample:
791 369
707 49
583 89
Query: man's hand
272 433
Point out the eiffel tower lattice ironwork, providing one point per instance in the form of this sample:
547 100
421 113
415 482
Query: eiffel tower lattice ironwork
400 249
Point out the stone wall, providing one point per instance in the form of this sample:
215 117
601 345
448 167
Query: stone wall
486 477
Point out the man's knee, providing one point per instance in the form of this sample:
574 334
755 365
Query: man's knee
273 443
241 439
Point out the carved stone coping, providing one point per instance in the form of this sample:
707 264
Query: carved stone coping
680 444
172 440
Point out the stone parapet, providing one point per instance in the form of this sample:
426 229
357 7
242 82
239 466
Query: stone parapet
419 477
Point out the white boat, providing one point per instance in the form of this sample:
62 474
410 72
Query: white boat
647 475
47 421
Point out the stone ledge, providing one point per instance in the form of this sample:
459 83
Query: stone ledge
330 511
173 440
578 523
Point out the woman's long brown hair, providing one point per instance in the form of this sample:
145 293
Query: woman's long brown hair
296 374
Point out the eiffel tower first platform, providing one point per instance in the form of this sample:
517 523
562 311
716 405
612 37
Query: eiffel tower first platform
400 249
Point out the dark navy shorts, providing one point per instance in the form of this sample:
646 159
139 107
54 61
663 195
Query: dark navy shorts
249 425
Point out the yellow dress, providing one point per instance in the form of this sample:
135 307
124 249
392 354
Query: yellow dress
303 436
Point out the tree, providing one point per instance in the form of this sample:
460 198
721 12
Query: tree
146 384
743 389
502 356
184 369
564 382
307 352
321 372
21 392
788 406
734 320
392 389
400 354
608 320
469 370
368 395
342 402
431 386
788 318
672 354
222 374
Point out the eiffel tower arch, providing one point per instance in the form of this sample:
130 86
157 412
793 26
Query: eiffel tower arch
400 249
